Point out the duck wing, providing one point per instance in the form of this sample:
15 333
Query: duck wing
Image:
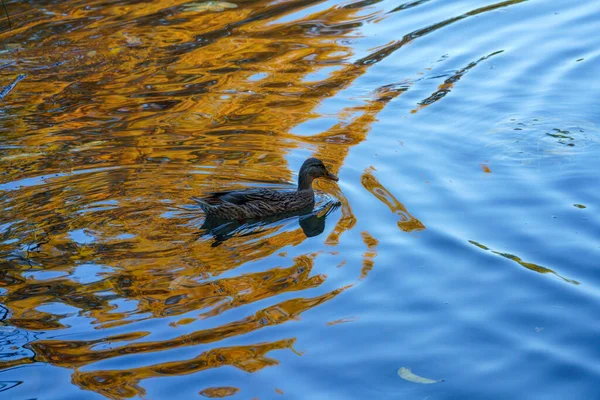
242 197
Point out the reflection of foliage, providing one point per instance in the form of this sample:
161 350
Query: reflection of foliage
370 254
219 392
214 6
528 265
406 221
118 384
118 141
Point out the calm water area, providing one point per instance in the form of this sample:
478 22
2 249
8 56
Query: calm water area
458 256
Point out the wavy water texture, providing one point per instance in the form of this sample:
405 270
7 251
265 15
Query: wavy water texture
445 121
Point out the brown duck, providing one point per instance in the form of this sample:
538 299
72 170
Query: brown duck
260 203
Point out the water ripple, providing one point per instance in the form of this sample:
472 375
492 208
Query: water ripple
460 241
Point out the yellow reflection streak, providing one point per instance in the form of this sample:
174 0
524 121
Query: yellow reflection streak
176 103
369 255
528 265
77 353
118 384
407 222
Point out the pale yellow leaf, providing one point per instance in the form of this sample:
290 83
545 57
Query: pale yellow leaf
406 374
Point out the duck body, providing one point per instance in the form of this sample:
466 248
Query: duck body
261 203
255 203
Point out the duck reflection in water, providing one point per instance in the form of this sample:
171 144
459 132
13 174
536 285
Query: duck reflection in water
228 213
312 222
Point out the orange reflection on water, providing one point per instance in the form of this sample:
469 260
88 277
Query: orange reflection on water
118 384
369 255
219 392
128 110
69 353
530 266
406 221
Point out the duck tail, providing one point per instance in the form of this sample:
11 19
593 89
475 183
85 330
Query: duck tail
202 203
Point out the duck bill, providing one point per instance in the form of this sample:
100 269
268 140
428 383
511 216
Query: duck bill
332 177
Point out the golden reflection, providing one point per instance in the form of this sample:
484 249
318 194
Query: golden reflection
528 265
136 108
407 222
119 384
369 255
77 353
348 135
345 223
219 392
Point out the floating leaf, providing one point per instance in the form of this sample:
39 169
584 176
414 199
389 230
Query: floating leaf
406 374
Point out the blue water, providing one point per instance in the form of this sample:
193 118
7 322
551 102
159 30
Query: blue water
465 135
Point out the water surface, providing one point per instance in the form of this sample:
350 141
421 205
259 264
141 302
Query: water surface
461 242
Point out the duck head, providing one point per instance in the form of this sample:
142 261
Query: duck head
312 169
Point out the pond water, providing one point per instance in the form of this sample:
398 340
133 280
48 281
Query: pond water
461 242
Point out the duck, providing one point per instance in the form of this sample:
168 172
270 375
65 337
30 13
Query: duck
261 203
